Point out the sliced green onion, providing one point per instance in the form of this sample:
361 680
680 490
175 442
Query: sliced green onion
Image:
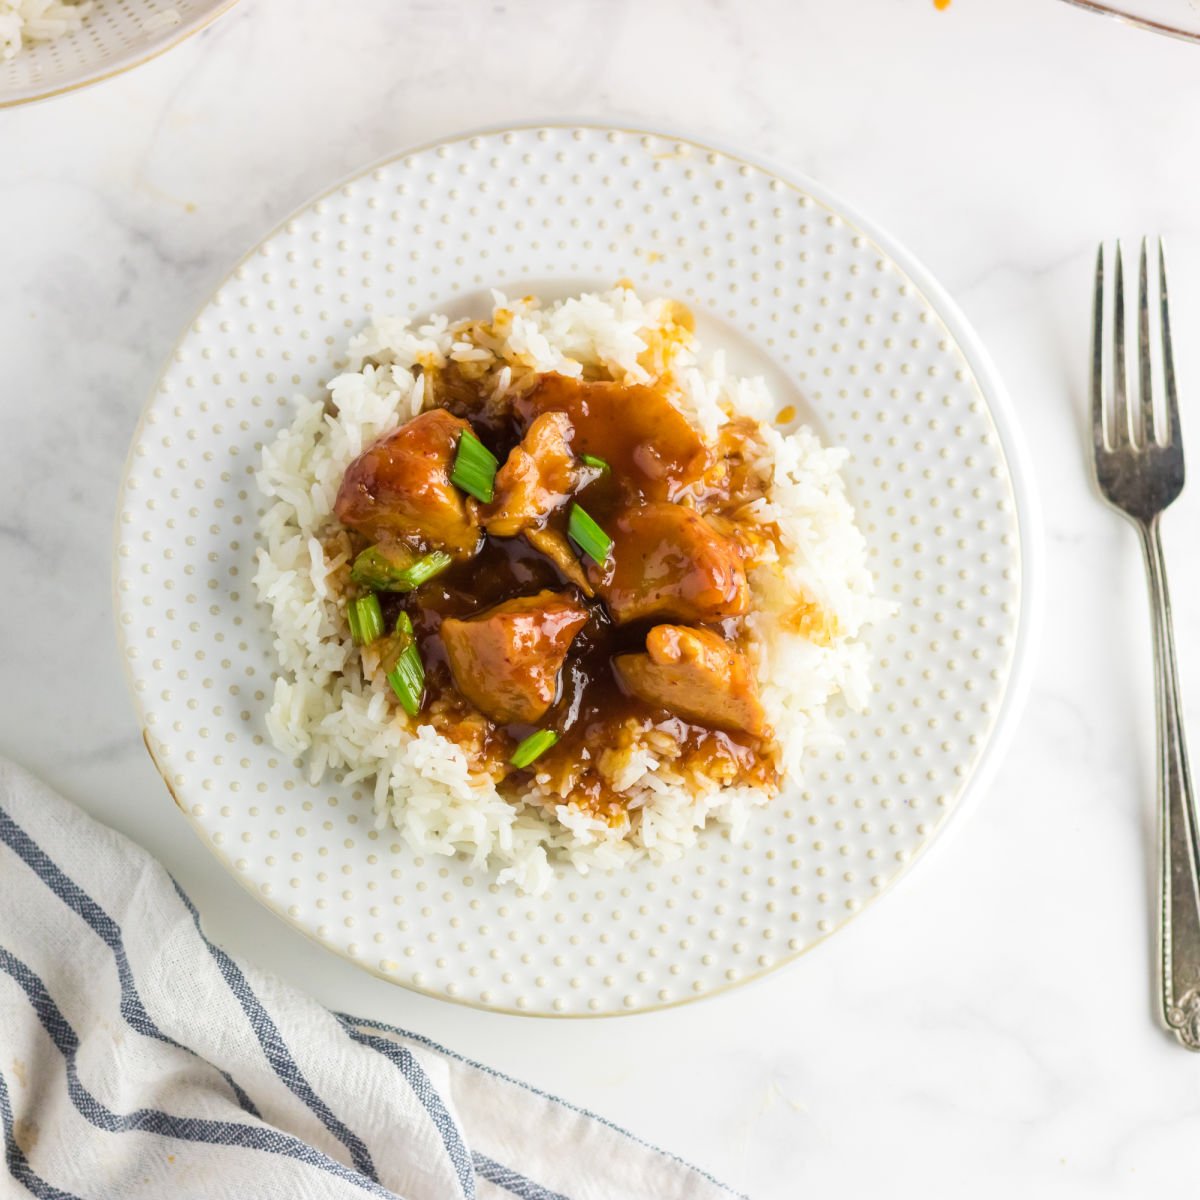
587 535
377 566
365 618
409 687
397 568
534 746
590 460
407 677
424 569
474 468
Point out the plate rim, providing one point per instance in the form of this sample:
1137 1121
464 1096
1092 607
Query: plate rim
1019 678
1136 20
184 33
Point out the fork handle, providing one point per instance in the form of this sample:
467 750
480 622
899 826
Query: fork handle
1179 847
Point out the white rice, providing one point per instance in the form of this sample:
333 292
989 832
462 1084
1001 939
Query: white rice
424 784
26 21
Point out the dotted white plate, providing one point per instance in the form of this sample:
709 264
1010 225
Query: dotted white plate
802 291
115 36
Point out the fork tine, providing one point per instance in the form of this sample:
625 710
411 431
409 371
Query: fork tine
1120 427
1173 433
1097 393
1145 375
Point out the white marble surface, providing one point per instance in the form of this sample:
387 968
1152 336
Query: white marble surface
989 1024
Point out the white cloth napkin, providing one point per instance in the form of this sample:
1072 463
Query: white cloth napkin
137 1059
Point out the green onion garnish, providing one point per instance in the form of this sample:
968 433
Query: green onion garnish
408 685
407 677
424 569
534 746
587 535
474 468
395 568
365 618
590 460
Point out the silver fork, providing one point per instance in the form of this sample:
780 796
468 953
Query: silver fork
1140 472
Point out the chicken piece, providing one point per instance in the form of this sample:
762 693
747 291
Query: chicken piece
538 476
697 675
646 440
554 545
506 660
667 561
400 488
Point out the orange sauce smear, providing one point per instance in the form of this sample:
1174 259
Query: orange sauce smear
809 619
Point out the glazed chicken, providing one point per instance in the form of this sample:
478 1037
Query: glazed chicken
554 545
667 561
506 660
696 674
400 488
635 429
541 561
538 476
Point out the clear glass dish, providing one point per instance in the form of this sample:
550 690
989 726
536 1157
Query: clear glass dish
1176 18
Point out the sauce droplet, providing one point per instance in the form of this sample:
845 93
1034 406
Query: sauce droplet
785 415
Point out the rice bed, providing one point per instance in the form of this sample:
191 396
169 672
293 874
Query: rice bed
325 712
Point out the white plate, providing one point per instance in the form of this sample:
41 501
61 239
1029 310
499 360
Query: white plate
846 328
116 35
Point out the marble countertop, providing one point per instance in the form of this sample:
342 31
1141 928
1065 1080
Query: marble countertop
990 1023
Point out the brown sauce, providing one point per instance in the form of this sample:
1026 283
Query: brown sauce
593 715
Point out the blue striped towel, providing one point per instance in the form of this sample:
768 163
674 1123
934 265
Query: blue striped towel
138 1059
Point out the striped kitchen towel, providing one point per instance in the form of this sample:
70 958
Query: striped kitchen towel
137 1059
